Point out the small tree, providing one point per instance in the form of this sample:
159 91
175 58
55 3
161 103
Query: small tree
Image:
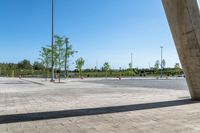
79 65
130 70
13 69
106 68
163 63
55 56
25 64
6 70
68 53
59 44
156 66
38 66
45 55
177 69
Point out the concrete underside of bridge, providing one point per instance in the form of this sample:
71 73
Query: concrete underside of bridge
184 20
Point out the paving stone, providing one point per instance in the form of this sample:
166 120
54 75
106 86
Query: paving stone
50 108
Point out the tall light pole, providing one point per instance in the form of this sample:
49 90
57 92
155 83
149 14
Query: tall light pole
161 63
52 44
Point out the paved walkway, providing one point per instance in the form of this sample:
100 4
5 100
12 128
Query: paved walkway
97 106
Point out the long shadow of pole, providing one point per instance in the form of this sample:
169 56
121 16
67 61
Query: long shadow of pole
14 118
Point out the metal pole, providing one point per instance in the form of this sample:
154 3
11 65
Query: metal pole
161 71
52 43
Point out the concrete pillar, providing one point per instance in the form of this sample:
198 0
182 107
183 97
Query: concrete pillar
184 20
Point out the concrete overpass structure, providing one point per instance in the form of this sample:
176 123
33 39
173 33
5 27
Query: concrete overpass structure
184 20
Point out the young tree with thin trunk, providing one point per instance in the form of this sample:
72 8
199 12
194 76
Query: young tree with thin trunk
45 55
130 69
59 44
79 65
68 53
177 69
156 66
106 68
163 63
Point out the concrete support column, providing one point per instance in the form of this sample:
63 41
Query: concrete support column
184 20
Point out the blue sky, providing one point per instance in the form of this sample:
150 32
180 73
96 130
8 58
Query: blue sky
101 30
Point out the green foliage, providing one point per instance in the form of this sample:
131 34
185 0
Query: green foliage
11 70
60 51
130 66
68 53
177 66
25 64
13 73
106 68
79 65
163 63
177 69
156 66
131 71
45 57
38 66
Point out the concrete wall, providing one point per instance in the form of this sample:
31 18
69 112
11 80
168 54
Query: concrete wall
184 20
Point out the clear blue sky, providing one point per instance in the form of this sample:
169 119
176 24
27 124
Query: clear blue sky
101 30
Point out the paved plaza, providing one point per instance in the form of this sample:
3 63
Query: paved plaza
97 106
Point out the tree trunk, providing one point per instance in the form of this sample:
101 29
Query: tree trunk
66 71
59 76
46 74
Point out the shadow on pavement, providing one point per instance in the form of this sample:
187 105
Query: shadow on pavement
33 82
13 118
15 83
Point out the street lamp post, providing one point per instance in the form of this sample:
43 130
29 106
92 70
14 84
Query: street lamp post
52 44
161 63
